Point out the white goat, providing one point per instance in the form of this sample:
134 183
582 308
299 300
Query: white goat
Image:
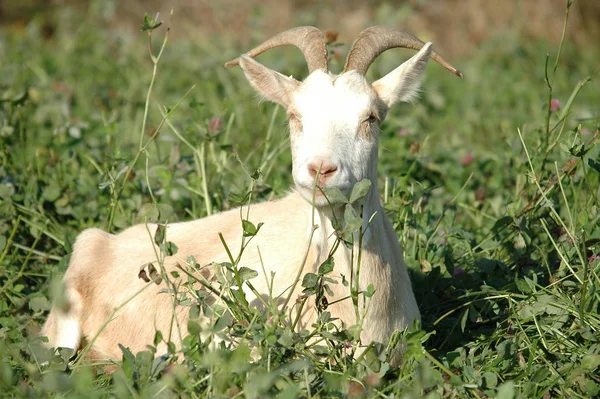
334 124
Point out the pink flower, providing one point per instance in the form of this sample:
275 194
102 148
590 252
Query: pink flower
458 272
585 132
554 105
593 258
215 125
336 54
403 132
467 159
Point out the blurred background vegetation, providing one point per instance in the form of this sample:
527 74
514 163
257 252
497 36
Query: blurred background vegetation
488 256
458 27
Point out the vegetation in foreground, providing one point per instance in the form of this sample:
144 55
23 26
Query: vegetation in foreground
493 183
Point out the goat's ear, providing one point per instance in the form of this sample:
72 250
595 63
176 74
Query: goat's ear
269 83
403 83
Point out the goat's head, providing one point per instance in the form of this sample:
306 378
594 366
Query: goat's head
334 119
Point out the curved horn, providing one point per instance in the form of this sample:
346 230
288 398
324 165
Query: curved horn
373 41
308 39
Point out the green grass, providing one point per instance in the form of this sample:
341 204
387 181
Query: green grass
495 199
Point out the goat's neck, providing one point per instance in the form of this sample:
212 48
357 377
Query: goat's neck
373 225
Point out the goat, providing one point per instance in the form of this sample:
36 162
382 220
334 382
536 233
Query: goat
334 126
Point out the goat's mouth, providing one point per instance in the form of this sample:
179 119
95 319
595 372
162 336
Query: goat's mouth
322 196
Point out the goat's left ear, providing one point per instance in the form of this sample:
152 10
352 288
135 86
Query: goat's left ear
403 83
270 84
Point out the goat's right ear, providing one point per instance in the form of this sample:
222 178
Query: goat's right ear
270 84
402 84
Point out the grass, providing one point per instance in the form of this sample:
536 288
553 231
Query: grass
493 187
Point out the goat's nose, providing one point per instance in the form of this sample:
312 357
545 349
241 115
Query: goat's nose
324 169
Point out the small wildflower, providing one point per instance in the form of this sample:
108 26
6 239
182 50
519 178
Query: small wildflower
480 194
151 132
403 132
458 272
372 380
215 124
593 258
355 390
554 105
331 36
59 87
414 147
335 54
510 331
585 132
467 159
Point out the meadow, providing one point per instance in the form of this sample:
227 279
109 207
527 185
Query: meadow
492 183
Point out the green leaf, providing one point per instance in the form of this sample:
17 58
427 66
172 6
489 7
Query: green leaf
501 223
193 327
334 195
171 347
157 337
370 291
255 175
150 24
491 380
578 150
6 190
39 304
169 248
310 280
523 286
352 225
359 190
159 236
246 273
463 319
286 339
128 361
590 362
595 165
506 391
249 228
326 267
51 193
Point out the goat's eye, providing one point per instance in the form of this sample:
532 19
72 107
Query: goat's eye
371 119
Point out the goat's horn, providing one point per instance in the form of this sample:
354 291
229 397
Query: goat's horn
373 41
308 39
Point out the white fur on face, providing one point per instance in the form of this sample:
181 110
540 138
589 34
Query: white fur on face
332 123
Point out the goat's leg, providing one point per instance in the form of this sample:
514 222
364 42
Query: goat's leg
63 327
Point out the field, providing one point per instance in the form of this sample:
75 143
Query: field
492 183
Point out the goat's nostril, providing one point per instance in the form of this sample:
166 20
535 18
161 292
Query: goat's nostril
324 169
327 170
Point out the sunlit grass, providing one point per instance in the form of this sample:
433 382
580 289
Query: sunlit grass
492 182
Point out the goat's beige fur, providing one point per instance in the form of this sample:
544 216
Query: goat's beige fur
103 274
333 128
